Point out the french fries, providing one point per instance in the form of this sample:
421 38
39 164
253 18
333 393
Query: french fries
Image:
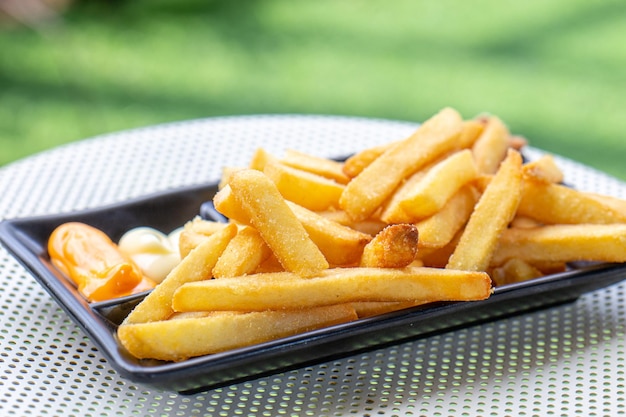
393 247
441 215
493 212
182 338
368 190
289 291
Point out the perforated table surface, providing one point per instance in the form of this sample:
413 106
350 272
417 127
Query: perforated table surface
564 360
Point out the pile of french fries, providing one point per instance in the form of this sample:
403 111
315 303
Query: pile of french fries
442 215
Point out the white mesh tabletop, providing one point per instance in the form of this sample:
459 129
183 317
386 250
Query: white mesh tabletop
564 360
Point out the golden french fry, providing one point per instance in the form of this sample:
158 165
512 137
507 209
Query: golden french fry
517 142
304 188
324 167
368 226
227 172
472 129
525 222
514 270
439 257
491 147
197 265
225 203
493 212
614 203
557 204
564 243
286 290
195 232
243 254
544 170
268 212
357 162
260 159
419 200
368 190
340 245
439 229
186 337
394 247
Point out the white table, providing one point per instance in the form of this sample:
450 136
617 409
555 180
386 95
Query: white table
565 360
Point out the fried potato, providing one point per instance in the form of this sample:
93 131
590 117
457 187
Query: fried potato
491 147
195 232
196 266
304 188
368 190
268 212
369 226
493 212
472 129
564 243
543 170
285 291
439 229
183 338
357 162
394 247
418 200
441 215
324 167
261 158
340 245
514 270
243 254
557 204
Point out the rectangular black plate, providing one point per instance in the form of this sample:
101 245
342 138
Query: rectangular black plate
27 238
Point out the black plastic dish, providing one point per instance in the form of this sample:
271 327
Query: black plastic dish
26 239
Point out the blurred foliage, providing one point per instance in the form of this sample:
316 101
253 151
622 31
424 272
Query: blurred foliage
553 71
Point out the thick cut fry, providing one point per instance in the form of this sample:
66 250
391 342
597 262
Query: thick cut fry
615 203
368 226
494 211
182 338
557 204
260 159
439 229
491 147
227 172
340 245
357 162
514 270
368 190
334 286
271 216
414 202
243 255
394 247
564 243
325 167
225 203
472 129
304 188
195 232
544 170
197 265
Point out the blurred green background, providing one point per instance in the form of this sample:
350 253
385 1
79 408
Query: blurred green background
554 71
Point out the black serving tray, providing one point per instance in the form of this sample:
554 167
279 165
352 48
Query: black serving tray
26 239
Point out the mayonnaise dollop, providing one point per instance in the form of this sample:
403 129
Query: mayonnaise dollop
154 252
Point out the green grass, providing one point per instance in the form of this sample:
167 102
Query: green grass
553 71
